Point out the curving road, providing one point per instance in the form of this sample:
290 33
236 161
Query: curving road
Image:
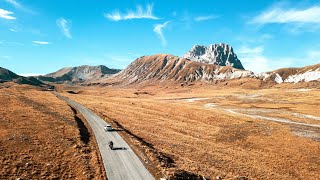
119 164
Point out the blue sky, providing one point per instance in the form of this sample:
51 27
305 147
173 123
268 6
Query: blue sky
42 36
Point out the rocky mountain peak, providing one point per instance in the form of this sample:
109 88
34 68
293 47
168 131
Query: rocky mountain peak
219 54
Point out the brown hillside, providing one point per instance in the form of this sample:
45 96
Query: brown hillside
170 68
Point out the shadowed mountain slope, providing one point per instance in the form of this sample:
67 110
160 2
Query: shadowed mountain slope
8 76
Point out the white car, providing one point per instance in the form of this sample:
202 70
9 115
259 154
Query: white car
107 128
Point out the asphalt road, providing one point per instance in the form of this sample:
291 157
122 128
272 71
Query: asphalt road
121 163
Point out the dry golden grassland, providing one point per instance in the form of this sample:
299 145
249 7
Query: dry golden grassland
229 133
40 138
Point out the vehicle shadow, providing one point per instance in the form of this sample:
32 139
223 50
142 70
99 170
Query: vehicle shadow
116 130
119 148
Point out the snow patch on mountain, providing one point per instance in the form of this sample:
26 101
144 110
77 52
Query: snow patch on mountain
278 79
292 75
304 77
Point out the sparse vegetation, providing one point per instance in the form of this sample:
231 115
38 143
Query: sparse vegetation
211 142
40 139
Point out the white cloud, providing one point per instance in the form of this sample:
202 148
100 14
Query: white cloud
18 5
244 50
65 27
14 3
30 74
205 18
253 59
114 16
6 14
313 56
158 30
41 42
264 37
187 20
283 16
139 13
15 43
250 38
13 30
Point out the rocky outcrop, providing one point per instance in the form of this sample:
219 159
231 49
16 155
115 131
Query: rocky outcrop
218 54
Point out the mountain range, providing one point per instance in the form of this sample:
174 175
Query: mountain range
163 67
9 76
78 74
212 64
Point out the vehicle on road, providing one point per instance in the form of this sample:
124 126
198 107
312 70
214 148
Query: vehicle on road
111 145
107 128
